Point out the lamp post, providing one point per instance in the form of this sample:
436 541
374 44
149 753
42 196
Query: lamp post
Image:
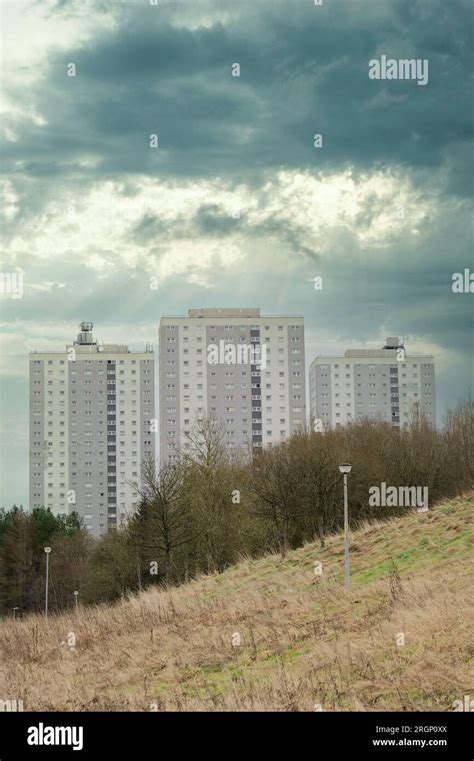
345 469
47 551
14 611
76 595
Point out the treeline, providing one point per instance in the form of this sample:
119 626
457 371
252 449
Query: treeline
207 511
22 558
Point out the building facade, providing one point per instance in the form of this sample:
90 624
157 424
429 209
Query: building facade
387 384
92 410
236 366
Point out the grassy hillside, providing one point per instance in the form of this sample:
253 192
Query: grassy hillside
304 640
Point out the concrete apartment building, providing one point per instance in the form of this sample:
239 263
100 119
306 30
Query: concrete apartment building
237 366
386 383
92 407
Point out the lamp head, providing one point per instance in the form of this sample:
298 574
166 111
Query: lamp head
47 550
345 468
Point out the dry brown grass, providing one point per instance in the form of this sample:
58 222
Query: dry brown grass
304 639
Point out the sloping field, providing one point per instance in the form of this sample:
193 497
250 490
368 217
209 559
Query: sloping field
305 643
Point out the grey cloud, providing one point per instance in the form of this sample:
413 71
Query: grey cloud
304 70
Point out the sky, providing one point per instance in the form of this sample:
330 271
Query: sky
161 157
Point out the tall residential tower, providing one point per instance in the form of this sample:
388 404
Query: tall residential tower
386 383
245 370
92 409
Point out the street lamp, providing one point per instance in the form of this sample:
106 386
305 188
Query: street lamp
345 469
47 551
14 611
75 595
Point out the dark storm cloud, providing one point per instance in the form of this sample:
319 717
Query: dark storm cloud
209 221
212 220
303 71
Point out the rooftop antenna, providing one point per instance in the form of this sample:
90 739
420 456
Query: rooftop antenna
85 337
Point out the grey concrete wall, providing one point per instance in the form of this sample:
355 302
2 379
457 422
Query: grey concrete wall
428 386
240 374
292 378
323 395
86 455
112 496
147 408
37 434
365 377
164 356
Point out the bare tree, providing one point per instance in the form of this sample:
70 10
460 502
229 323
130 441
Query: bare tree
459 444
161 521
210 481
320 480
205 443
276 484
